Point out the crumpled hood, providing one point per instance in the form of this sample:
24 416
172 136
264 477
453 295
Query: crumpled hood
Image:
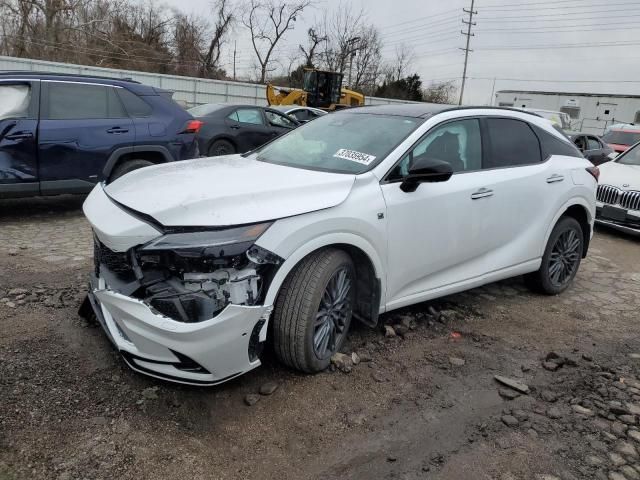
618 175
230 190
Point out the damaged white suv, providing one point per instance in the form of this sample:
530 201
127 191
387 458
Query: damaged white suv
199 263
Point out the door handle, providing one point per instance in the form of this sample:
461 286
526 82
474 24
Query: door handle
235 127
482 193
19 135
117 130
555 178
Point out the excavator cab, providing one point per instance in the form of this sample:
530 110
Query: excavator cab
323 88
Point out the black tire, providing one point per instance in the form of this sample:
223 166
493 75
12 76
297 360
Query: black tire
128 166
221 147
561 258
301 297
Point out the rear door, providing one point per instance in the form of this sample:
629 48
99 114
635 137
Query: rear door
249 128
18 137
82 125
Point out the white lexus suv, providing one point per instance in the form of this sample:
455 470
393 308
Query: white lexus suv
199 263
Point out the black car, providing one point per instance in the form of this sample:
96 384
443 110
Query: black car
230 129
593 149
63 133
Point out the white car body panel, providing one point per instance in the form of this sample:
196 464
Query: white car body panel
116 228
422 245
230 190
625 177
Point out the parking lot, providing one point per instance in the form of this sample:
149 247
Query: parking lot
422 403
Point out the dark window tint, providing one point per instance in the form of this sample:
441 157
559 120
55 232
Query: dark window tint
303 115
513 143
552 145
620 137
73 101
135 106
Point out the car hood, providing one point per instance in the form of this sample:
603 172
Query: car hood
619 175
229 190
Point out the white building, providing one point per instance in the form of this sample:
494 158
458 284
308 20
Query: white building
589 112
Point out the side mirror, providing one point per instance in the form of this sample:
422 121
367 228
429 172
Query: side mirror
429 170
613 155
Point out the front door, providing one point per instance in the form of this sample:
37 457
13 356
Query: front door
82 125
18 138
249 128
439 234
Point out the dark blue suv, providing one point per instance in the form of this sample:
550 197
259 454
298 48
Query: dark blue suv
64 133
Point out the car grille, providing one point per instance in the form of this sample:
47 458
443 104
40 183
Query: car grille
117 262
630 200
608 194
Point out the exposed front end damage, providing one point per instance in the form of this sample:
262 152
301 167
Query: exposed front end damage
186 306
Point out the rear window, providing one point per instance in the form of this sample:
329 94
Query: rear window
204 110
75 101
619 137
513 143
15 101
135 106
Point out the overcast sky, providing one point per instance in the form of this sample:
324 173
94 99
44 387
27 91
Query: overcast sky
562 45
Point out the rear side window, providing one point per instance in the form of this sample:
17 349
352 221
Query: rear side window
135 106
552 145
512 143
247 115
14 101
74 101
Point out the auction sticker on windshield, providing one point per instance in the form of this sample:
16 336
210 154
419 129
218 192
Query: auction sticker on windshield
363 158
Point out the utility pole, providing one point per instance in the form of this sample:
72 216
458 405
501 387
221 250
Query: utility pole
234 59
466 50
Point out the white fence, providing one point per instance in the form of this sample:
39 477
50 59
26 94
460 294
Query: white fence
188 90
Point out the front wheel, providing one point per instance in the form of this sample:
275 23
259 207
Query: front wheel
561 258
313 310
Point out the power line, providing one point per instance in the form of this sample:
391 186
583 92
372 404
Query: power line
553 81
525 18
470 23
530 4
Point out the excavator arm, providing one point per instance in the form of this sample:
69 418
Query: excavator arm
281 96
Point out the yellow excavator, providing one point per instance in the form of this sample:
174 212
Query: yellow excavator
322 89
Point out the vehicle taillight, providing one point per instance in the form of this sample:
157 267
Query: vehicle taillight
193 126
595 172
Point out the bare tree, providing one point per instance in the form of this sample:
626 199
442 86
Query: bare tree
225 16
440 92
342 30
268 21
315 39
367 61
402 58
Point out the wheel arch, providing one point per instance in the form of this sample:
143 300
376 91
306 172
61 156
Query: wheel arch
153 153
370 285
580 210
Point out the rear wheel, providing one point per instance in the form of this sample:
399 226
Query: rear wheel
561 258
128 166
221 147
313 311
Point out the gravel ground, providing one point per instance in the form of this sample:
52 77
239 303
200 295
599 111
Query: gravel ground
421 401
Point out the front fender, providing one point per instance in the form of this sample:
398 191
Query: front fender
330 239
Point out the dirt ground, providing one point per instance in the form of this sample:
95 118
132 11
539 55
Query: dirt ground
422 404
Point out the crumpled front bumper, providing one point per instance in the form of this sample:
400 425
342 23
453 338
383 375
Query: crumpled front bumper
203 353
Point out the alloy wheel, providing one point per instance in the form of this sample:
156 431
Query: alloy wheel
565 257
333 314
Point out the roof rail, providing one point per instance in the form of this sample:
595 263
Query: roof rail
491 108
32 73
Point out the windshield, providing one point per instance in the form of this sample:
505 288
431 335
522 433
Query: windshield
630 157
340 142
204 110
619 137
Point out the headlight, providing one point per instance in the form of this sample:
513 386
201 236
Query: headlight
207 238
